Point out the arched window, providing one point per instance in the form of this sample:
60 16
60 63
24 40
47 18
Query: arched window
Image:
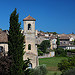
29 26
1 48
30 65
29 47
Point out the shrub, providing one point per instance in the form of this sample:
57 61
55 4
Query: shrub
61 52
72 51
67 64
40 70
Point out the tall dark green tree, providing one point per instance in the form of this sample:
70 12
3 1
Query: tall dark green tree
16 44
58 42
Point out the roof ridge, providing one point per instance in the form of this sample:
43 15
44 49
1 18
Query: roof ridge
29 18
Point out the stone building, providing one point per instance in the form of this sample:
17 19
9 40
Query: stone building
3 43
41 36
30 46
53 40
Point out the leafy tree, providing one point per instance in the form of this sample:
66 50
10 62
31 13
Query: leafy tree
72 32
67 64
54 33
44 45
16 45
41 31
40 70
61 52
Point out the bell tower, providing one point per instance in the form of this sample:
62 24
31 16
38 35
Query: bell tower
30 47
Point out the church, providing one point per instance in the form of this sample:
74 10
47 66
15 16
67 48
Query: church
30 46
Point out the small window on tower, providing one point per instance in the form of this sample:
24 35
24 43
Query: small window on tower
29 26
29 47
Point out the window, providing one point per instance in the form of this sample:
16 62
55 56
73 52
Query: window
1 48
29 47
30 65
60 42
64 42
29 26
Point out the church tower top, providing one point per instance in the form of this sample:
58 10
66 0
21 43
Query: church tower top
29 18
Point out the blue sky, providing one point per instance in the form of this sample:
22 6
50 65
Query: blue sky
51 15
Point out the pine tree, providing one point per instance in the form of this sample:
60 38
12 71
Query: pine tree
16 44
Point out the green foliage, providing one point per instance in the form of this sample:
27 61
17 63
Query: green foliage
55 73
70 72
61 52
72 50
44 45
64 65
25 67
16 45
54 33
40 70
74 42
58 42
47 50
40 53
67 64
26 64
41 31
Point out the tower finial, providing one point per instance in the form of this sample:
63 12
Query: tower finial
29 14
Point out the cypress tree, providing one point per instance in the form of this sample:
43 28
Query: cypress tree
58 42
16 44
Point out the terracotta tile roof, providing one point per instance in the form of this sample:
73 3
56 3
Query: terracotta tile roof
29 18
64 37
53 37
3 36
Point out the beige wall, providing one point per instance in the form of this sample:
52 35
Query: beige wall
5 46
30 39
26 26
33 59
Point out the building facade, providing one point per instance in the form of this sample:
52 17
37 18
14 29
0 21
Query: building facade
3 43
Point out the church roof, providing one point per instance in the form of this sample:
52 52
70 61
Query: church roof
29 18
